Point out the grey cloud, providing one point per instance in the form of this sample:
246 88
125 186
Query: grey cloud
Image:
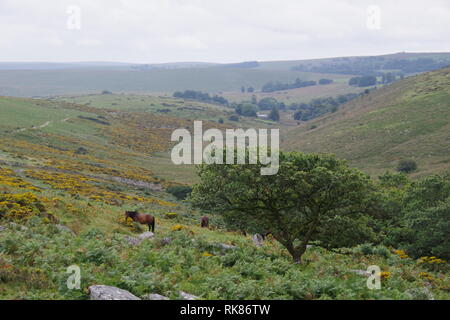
150 31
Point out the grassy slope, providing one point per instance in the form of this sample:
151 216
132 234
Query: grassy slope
409 119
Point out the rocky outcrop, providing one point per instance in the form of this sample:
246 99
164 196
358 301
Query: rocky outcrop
102 292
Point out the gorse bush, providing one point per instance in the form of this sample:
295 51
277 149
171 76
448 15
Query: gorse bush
407 166
20 206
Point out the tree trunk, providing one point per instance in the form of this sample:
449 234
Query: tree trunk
297 258
296 253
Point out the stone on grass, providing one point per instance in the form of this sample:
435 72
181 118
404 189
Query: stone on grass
226 246
187 296
135 241
102 292
154 296
258 240
146 235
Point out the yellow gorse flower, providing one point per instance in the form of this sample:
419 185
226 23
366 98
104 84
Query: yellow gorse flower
402 254
177 227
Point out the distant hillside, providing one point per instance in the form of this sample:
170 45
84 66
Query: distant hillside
45 79
406 120
29 83
361 64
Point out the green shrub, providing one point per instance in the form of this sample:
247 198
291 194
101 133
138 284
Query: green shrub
407 166
180 192
425 222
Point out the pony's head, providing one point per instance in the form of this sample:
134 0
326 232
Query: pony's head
130 214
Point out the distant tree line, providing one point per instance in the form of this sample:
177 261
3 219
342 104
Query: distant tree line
279 86
201 96
304 111
390 77
249 89
364 81
319 106
373 65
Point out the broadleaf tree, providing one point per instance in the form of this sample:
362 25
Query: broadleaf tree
312 199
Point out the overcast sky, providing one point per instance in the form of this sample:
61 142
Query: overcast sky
153 31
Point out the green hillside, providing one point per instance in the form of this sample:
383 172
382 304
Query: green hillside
406 120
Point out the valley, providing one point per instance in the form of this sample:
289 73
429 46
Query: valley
72 162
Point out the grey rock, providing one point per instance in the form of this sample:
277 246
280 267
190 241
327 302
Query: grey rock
226 246
15 225
62 228
135 241
146 235
258 240
187 296
2 228
165 241
154 296
361 272
419 294
102 292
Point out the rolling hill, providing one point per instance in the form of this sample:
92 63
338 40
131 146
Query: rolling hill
409 119
46 79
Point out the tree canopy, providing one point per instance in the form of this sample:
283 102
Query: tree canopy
313 198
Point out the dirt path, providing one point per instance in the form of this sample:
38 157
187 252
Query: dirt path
46 124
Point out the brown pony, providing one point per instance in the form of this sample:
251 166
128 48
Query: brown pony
142 219
204 222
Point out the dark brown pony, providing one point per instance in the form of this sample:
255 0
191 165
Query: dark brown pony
142 219
204 222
